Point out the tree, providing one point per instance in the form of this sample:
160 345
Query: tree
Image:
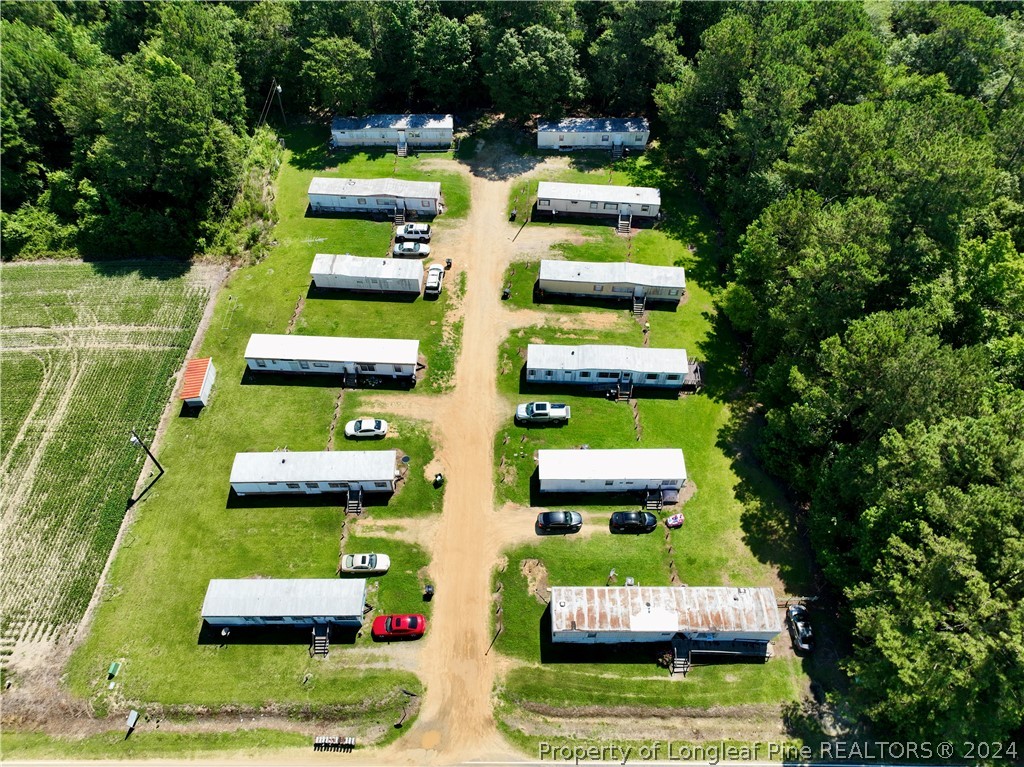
445 62
638 49
267 49
337 75
533 72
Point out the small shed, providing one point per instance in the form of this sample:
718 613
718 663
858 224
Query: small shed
380 275
602 366
285 602
393 130
593 133
198 381
611 471
714 617
624 281
388 196
556 198
393 358
313 473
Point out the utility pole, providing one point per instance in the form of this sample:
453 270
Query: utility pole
280 103
136 440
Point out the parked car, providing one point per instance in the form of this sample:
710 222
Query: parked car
633 522
435 276
560 521
365 564
366 427
543 412
410 250
413 232
800 628
398 627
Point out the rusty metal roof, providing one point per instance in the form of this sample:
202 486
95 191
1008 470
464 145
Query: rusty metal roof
195 377
664 609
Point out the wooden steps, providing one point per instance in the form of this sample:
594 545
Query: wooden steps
639 306
654 502
617 151
625 223
354 503
321 641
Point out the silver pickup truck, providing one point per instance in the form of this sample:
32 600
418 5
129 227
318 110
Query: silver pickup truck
542 412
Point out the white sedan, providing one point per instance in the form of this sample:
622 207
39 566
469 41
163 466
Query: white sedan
366 427
365 564
435 276
411 250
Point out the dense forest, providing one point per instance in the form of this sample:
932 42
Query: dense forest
865 165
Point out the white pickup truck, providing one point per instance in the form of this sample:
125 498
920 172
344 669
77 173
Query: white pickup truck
542 412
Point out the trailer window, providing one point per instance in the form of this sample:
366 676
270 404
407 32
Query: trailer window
425 203
605 137
652 376
672 378
400 369
608 483
561 137
321 365
261 363
593 206
314 485
293 485
639 138
414 134
361 200
673 292
605 374
367 368
380 484
644 208
621 289
383 202
611 206
584 374
531 373
547 374
599 288
543 203
336 485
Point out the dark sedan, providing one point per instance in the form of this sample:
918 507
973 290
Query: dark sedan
633 522
560 521
800 628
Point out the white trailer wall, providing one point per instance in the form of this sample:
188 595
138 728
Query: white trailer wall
593 133
610 471
374 195
382 275
612 280
597 364
597 199
387 130
313 473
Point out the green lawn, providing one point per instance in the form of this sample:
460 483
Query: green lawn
188 530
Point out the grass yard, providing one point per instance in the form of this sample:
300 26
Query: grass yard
716 546
190 530
147 744
89 352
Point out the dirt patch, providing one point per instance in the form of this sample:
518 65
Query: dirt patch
299 306
536 579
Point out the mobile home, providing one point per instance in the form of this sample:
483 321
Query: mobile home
381 275
626 281
556 198
393 130
197 383
383 196
611 471
285 602
359 357
719 619
608 366
313 473
614 133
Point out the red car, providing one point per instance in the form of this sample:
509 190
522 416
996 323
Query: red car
398 626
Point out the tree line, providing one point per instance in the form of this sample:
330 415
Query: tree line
864 163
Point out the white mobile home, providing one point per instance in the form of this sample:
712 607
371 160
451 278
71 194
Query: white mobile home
593 133
378 357
381 275
611 471
612 280
313 473
710 617
609 366
285 602
197 383
556 198
386 196
393 130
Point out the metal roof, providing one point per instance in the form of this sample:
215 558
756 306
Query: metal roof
594 125
638 195
323 466
664 609
630 463
614 272
388 351
375 187
638 359
195 377
406 121
286 597
356 266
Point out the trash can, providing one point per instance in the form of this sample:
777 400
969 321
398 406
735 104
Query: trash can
428 592
506 294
